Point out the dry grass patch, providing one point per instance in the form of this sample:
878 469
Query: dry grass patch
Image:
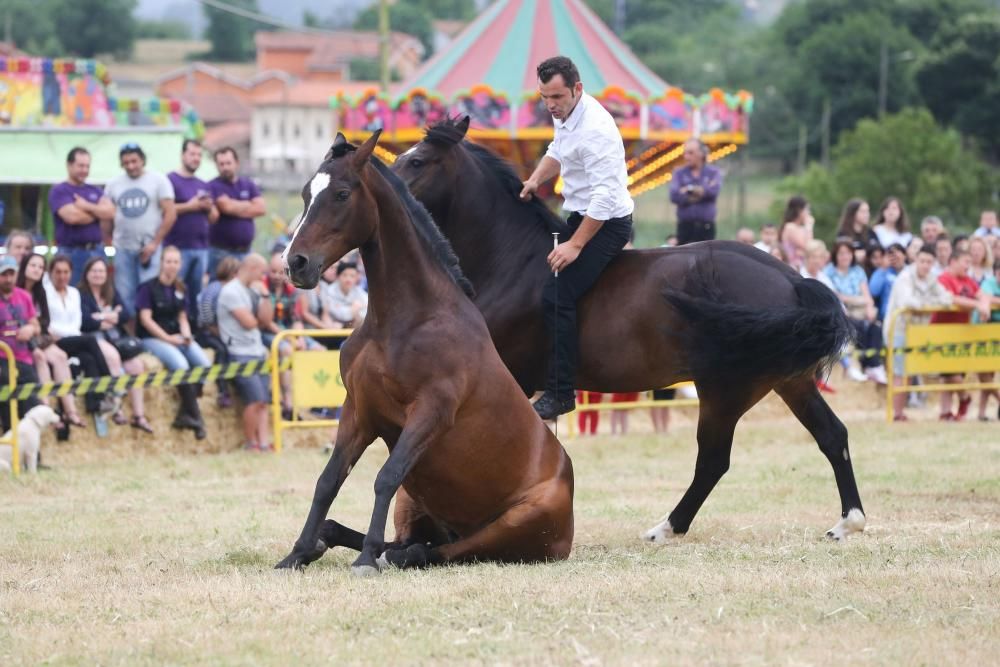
167 559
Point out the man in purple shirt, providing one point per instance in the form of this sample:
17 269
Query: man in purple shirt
195 211
78 209
694 188
239 202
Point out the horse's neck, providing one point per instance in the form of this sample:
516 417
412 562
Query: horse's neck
398 265
494 244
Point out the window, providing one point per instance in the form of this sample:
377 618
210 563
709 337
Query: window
295 130
319 130
265 129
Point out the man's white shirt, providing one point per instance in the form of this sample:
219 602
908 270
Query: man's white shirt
591 155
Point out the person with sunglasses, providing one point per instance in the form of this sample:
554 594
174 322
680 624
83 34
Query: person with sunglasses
144 214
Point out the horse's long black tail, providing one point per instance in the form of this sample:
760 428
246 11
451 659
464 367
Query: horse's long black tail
728 340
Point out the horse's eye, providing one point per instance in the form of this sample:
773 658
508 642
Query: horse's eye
416 162
342 195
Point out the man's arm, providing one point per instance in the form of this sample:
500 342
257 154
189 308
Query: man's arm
246 319
547 169
73 214
712 187
241 209
169 217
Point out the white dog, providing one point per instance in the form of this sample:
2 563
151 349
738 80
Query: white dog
29 437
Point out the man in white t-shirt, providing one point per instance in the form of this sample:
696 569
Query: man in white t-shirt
346 302
244 307
588 152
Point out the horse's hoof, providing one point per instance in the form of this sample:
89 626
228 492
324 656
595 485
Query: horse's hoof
661 533
365 571
854 522
382 562
291 562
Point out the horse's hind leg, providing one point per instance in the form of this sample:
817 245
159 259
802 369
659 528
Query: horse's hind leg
719 410
538 528
831 435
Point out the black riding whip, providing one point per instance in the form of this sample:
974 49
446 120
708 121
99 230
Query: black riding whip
555 329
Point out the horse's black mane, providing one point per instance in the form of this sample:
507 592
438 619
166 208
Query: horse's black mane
426 228
447 133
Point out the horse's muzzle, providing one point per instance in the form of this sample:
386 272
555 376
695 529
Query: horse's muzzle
303 271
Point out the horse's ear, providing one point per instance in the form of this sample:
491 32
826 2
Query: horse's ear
337 141
463 125
361 156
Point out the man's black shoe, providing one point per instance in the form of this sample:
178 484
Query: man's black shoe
549 406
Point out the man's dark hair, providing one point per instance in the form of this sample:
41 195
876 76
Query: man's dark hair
559 65
896 247
343 266
943 236
927 249
958 254
768 225
224 150
958 239
188 142
73 152
132 147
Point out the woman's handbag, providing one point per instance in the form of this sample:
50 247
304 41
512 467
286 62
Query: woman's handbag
128 346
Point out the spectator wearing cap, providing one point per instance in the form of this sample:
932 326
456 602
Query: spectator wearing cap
880 284
694 189
244 309
77 210
239 201
144 214
18 325
195 212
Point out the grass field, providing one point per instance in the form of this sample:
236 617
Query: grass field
166 559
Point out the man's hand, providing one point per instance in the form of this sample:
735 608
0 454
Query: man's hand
147 251
205 203
258 286
529 189
563 255
82 204
25 333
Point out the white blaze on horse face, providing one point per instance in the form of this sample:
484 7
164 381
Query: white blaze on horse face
410 150
319 183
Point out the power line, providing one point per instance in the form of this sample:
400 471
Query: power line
263 18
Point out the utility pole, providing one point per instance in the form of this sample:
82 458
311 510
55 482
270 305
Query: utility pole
883 78
619 17
825 156
383 44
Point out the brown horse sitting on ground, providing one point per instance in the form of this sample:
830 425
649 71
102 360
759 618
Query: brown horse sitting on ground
730 317
422 374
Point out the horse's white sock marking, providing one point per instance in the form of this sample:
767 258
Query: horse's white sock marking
661 533
854 522
319 183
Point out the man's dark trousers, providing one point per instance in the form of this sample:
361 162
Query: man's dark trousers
573 282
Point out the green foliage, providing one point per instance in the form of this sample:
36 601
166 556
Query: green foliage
960 78
83 27
163 30
404 16
231 35
367 69
463 10
906 155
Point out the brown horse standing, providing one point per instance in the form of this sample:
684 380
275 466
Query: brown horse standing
733 319
422 374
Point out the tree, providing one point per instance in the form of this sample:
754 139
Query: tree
231 35
87 28
163 30
367 69
960 78
906 155
403 17
30 25
461 10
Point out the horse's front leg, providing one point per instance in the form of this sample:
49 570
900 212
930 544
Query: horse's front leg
424 426
352 440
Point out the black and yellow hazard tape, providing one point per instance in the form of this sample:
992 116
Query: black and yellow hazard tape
120 384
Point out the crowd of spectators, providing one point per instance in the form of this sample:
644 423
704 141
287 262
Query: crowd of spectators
877 269
181 281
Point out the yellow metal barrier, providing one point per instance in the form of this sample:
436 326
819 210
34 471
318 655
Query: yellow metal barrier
15 453
316 380
585 405
941 349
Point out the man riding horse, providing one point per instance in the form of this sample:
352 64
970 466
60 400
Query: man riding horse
588 152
